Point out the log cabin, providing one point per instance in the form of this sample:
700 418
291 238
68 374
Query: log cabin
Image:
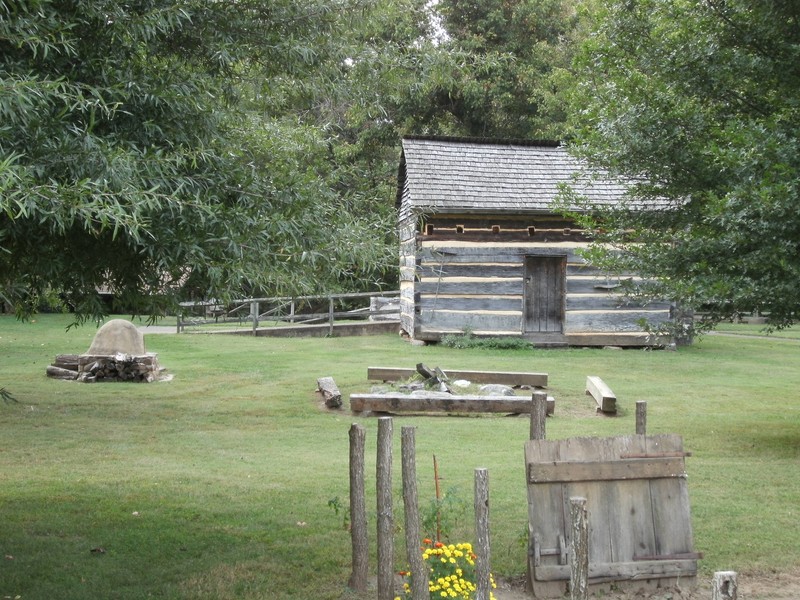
483 249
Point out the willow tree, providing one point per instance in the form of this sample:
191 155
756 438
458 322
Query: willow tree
129 161
697 103
513 57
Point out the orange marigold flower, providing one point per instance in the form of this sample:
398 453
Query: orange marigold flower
438 545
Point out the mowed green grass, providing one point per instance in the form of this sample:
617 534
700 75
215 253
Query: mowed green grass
216 484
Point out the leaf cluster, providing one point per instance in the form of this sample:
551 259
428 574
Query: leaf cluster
696 104
132 159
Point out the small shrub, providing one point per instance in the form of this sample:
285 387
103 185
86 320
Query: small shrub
443 515
467 340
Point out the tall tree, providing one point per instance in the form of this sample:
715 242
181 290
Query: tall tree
128 159
697 103
518 50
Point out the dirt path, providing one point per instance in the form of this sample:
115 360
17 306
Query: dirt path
755 586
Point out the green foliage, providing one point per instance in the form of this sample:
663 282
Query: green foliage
139 153
340 510
512 86
696 103
444 516
469 340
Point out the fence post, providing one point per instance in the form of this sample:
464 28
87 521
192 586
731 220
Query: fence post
385 516
641 417
330 316
419 577
538 415
724 586
254 315
579 546
482 548
358 510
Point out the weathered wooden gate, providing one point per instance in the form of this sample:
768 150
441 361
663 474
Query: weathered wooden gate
638 503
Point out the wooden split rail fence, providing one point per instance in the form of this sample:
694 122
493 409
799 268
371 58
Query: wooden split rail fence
290 310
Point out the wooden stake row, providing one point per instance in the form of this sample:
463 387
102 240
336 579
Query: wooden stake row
385 516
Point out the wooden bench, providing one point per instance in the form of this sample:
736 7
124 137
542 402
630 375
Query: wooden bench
605 398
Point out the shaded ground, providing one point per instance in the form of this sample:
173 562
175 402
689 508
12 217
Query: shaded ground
755 586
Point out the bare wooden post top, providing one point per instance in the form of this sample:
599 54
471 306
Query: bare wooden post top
641 417
538 415
724 586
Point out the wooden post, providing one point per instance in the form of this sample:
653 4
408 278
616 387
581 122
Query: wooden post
483 561
179 322
330 316
385 515
724 586
641 417
438 490
254 315
579 547
291 311
419 576
538 415
358 510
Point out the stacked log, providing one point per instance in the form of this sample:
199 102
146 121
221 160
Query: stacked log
116 367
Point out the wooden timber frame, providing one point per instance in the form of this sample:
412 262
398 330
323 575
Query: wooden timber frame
639 518
445 402
512 378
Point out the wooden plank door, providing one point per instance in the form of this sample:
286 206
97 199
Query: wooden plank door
544 294
639 516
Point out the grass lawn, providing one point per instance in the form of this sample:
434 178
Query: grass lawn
217 484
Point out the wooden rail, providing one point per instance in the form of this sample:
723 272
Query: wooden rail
286 310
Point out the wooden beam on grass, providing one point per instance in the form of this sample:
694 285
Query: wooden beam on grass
602 394
438 402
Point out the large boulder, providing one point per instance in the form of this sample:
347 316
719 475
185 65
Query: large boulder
118 336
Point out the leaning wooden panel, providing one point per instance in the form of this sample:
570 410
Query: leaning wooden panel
673 530
639 517
547 524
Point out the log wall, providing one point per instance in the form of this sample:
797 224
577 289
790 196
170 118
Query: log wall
461 275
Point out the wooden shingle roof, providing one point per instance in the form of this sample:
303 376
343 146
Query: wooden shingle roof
457 175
